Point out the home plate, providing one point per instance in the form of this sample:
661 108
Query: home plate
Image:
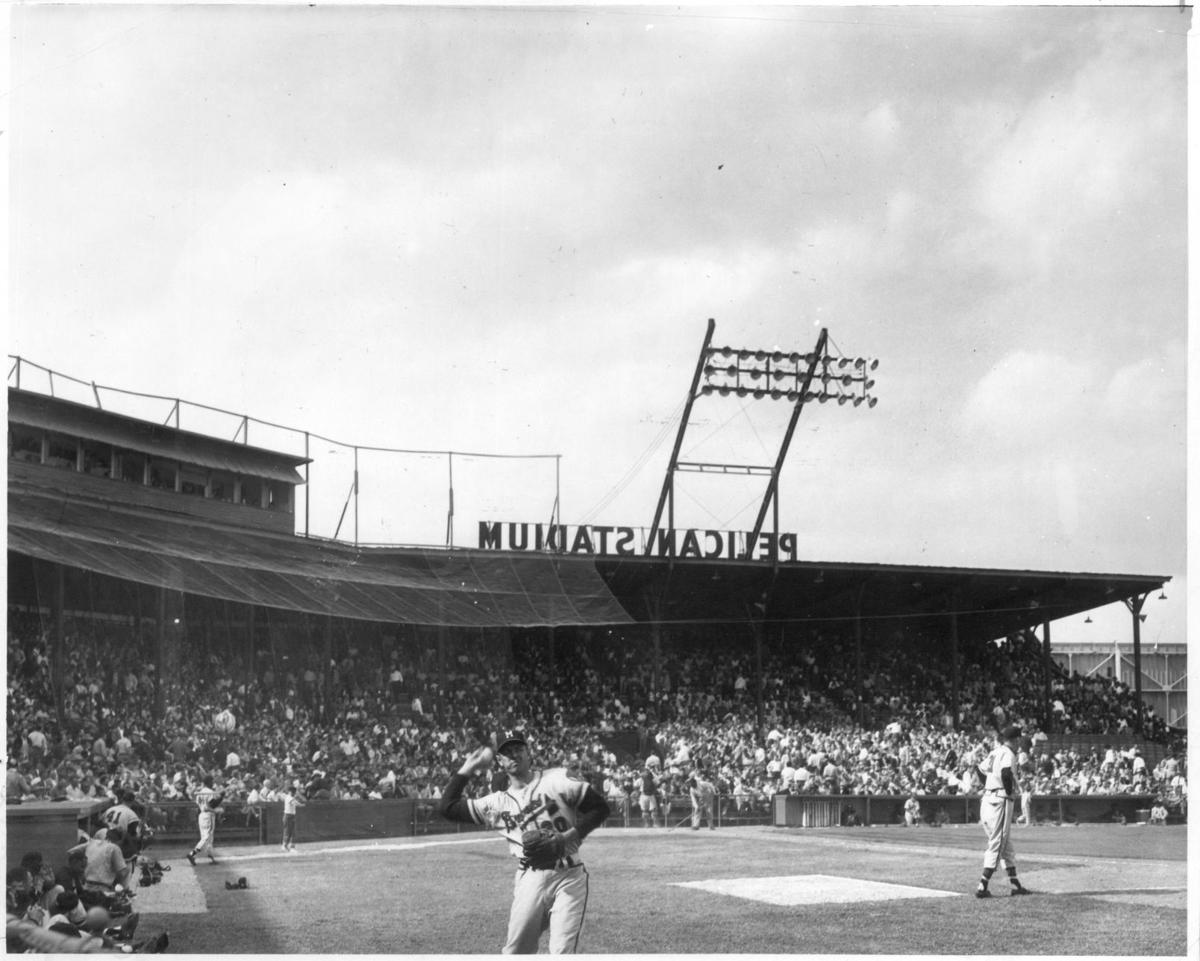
813 889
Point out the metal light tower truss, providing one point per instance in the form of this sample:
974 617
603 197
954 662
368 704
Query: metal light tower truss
798 378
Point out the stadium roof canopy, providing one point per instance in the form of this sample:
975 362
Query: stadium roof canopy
987 603
481 588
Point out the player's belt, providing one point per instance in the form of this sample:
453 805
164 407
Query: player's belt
565 862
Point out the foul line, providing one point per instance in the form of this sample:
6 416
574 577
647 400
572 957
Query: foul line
381 846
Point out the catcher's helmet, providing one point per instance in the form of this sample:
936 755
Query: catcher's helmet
509 737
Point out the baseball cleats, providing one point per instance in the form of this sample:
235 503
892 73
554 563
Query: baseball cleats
191 858
982 893
1019 890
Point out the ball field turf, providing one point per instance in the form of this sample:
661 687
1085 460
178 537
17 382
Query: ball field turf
1100 890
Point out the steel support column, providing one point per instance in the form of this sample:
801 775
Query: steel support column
954 682
1135 608
1047 714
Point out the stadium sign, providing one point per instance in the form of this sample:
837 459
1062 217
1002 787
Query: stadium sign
606 541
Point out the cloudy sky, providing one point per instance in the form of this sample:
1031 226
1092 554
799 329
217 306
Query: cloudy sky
502 231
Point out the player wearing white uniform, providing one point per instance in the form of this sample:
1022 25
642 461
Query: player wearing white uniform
996 811
552 898
703 795
207 801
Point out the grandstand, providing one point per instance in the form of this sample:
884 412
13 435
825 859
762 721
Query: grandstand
1163 670
157 578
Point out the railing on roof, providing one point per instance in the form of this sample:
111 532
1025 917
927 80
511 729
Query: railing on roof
401 485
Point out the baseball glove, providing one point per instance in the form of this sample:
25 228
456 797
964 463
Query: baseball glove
542 847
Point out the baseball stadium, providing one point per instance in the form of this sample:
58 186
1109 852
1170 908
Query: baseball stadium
271 740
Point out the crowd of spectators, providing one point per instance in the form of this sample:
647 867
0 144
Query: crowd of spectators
387 718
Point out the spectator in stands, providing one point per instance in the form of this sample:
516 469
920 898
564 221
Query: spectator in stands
17 786
43 886
19 898
69 914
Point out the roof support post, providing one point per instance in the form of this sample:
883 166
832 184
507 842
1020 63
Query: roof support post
1047 713
1135 608
327 672
756 627
60 635
858 666
954 714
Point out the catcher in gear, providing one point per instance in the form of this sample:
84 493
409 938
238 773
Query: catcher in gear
543 815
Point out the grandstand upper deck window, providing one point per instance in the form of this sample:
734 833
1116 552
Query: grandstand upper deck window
279 497
96 458
221 486
129 465
164 474
192 480
253 492
25 443
62 451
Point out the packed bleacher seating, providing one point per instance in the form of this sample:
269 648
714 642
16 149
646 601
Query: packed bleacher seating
391 720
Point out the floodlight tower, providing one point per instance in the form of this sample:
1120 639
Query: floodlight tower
795 377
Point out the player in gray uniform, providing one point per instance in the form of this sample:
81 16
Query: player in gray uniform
552 898
996 811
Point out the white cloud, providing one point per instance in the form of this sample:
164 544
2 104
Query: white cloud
1147 391
882 125
1028 396
1079 161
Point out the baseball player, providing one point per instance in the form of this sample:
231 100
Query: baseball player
291 800
996 811
648 799
207 801
544 815
703 795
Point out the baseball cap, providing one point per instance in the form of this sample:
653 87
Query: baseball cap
510 737
1011 733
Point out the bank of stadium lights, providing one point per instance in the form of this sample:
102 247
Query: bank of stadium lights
741 372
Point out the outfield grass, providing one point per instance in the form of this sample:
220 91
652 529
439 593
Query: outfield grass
1101 890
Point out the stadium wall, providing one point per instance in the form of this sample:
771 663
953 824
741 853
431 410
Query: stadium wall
174 823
